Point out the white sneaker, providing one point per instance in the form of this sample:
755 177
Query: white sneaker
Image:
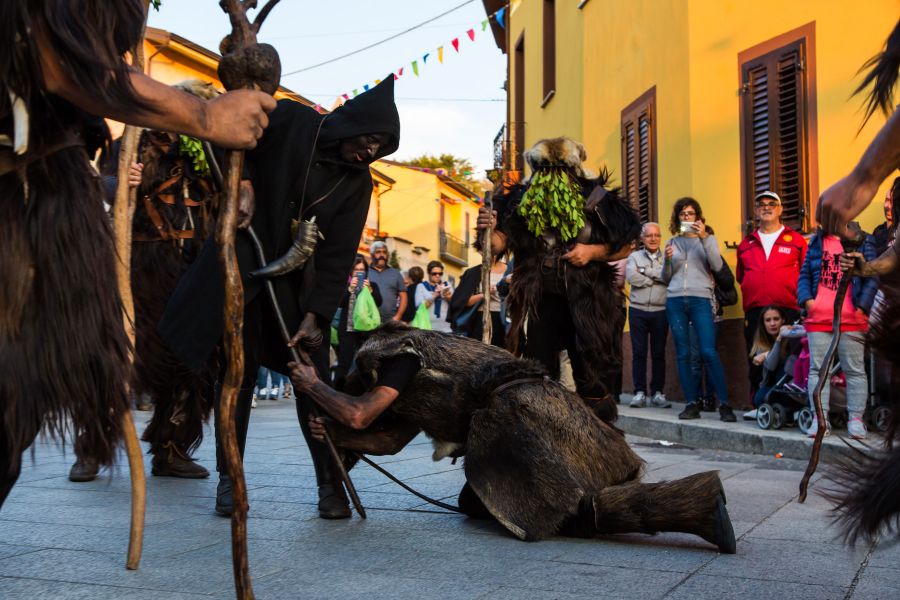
639 400
659 400
856 428
751 415
253 401
814 429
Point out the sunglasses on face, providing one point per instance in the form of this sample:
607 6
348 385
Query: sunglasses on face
438 273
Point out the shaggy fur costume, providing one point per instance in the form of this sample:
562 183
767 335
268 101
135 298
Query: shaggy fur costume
182 397
590 291
63 348
536 457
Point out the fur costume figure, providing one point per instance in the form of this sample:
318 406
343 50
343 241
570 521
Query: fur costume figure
867 500
172 219
63 348
554 304
536 458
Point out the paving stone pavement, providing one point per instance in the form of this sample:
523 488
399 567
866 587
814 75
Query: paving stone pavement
68 540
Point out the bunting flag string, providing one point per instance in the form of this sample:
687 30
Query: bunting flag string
498 16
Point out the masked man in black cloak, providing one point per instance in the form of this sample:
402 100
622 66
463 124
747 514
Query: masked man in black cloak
63 348
306 166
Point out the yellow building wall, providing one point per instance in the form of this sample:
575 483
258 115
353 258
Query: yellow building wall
688 50
411 210
562 115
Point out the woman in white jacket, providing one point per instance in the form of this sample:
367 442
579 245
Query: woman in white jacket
435 293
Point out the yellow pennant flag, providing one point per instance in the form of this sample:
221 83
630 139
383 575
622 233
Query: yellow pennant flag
441 54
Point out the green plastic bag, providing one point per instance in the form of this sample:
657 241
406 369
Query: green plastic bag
365 313
421 320
334 337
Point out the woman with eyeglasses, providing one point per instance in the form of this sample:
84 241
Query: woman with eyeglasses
691 257
436 294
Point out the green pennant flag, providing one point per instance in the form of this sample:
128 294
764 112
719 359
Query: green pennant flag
415 66
484 25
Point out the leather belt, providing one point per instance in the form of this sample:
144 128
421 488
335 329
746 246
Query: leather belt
10 161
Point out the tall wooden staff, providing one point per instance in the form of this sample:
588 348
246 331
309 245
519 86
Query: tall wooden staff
123 215
245 64
487 263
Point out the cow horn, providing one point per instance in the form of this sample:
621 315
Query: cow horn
301 250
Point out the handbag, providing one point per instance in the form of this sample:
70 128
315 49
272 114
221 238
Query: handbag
421 320
462 321
726 293
365 312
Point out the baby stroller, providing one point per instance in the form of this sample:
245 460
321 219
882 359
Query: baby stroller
787 402
883 381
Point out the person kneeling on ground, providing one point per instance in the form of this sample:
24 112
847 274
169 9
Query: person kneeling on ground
536 458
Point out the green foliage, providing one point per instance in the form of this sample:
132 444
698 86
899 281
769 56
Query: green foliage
193 149
393 260
456 168
155 4
553 201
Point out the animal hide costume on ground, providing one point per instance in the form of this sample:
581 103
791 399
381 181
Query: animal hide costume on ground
63 348
297 174
536 458
554 305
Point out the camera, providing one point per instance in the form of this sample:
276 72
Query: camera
686 226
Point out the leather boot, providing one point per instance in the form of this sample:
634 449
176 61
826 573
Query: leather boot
224 498
172 462
84 469
333 501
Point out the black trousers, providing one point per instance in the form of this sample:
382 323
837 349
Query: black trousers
263 346
554 331
652 327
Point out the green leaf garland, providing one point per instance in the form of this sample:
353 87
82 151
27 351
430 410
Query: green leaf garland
193 149
553 200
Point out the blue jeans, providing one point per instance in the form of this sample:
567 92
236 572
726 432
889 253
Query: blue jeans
702 376
262 379
692 311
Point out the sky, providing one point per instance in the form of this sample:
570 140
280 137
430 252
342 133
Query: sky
456 107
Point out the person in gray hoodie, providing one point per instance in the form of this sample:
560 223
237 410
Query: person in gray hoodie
691 257
647 318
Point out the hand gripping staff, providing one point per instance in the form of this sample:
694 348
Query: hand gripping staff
850 245
249 65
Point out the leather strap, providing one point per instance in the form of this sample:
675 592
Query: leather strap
10 161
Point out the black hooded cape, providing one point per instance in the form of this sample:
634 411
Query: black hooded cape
298 141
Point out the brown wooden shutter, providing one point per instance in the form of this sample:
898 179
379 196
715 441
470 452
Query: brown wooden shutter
639 155
775 123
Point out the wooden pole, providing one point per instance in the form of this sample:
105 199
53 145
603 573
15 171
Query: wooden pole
123 215
487 263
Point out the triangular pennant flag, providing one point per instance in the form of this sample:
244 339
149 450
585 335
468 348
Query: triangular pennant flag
318 108
455 42
484 25
471 34
377 81
441 54
515 4
355 94
415 66
425 58
395 77
400 72
366 88
346 97
499 17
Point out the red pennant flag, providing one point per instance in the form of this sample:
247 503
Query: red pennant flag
400 72
346 97
471 33
318 108
455 42
395 77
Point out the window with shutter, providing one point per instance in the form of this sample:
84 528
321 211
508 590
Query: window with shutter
549 51
639 155
778 124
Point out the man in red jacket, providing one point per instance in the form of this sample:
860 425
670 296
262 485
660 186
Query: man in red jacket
768 266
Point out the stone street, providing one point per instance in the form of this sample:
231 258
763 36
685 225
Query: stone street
68 540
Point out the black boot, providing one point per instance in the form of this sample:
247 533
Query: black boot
224 498
171 461
84 469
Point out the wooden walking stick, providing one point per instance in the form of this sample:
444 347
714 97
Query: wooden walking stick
244 64
123 216
850 245
487 263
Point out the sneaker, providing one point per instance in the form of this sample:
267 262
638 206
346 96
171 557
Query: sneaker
253 402
726 414
814 429
751 415
691 411
659 400
856 428
639 400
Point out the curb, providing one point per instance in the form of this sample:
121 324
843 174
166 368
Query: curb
745 437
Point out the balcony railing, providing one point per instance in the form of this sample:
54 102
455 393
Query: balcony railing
453 250
501 149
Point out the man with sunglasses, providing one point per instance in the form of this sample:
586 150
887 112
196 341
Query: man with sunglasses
768 266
